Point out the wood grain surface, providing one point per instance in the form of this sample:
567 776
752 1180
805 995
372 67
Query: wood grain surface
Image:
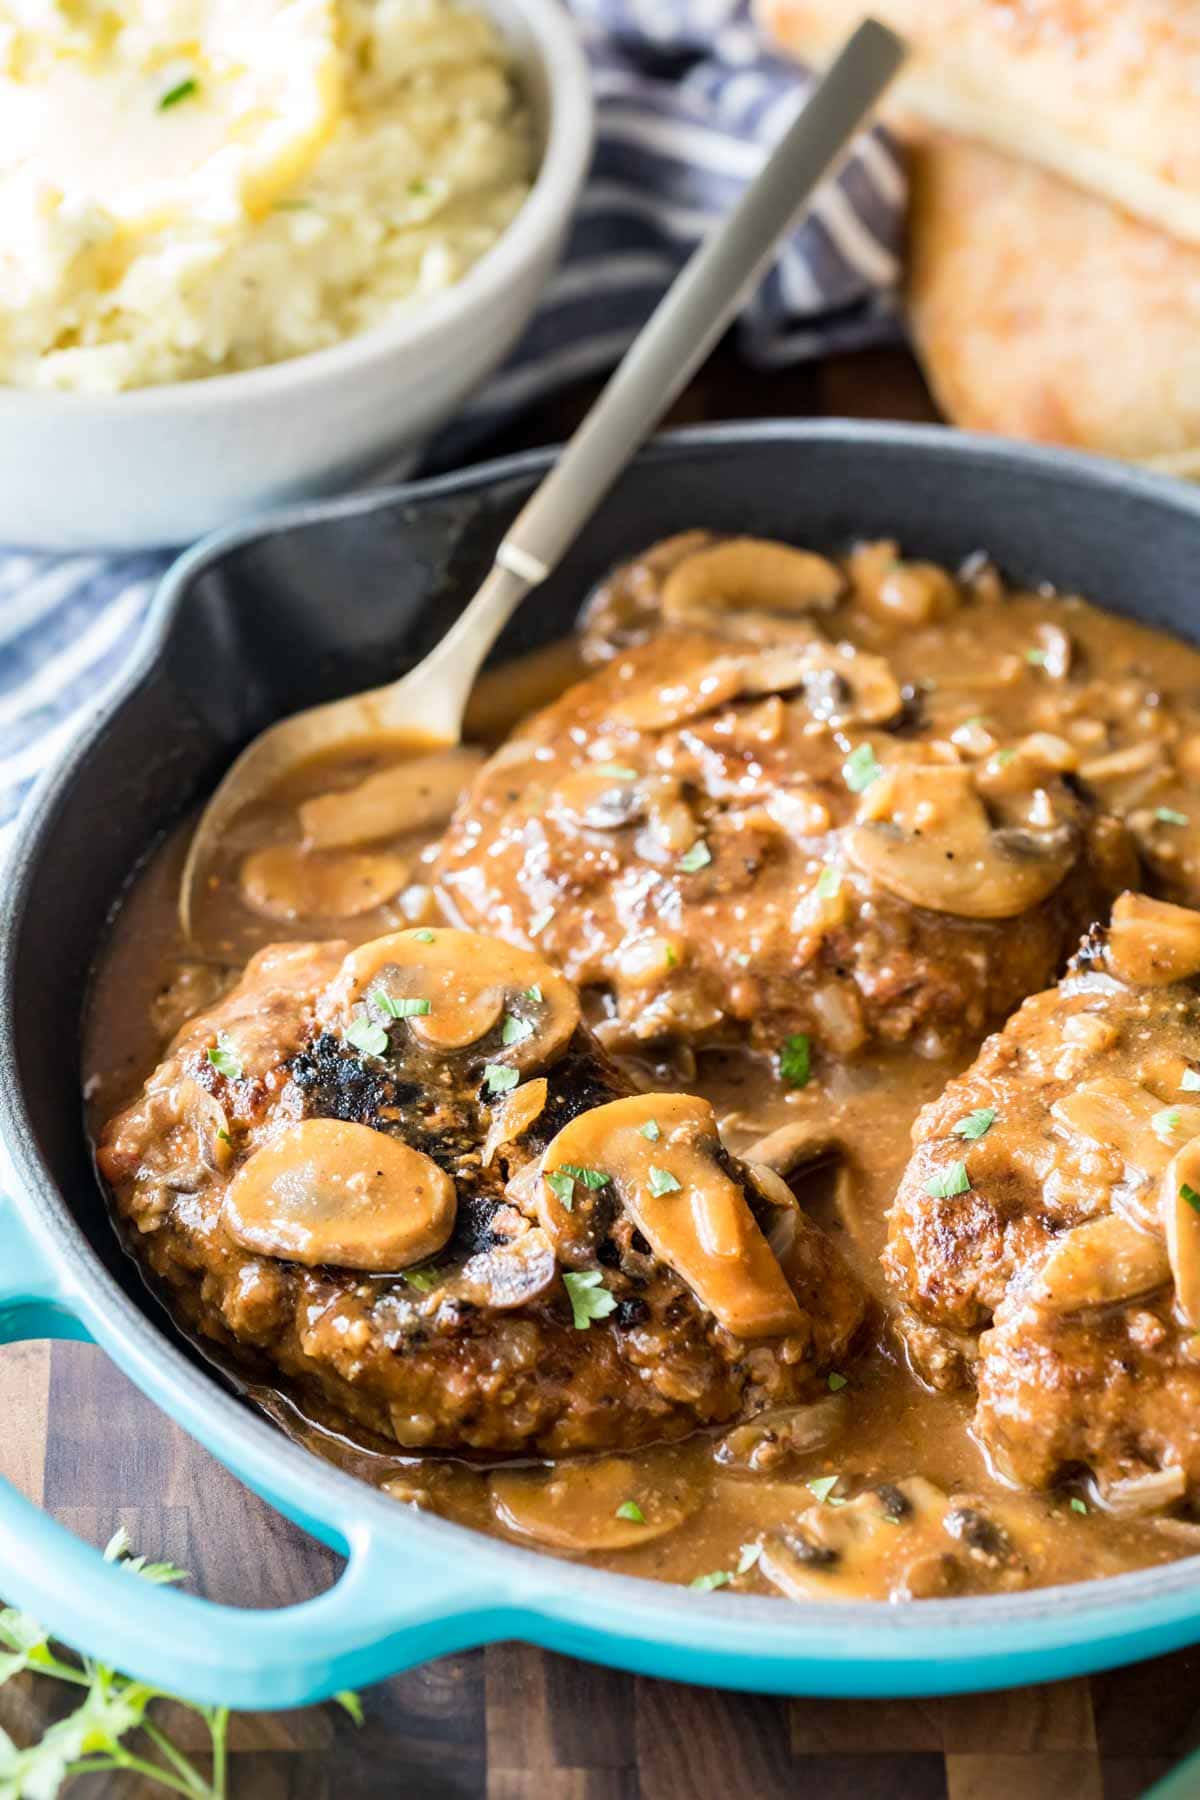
509 1722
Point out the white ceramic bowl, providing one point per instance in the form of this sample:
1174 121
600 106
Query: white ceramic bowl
161 465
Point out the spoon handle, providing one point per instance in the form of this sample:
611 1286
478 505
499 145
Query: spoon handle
700 304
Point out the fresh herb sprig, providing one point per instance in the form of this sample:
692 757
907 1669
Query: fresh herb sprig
114 1716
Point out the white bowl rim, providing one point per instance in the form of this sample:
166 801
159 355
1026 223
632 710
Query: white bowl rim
565 159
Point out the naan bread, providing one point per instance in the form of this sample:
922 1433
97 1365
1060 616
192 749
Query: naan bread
1103 92
1041 312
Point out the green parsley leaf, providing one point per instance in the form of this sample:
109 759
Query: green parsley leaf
822 1486
589 1297
698 857
223 1136
424 1280
670 957
224 1058
561 1183
534 993
589 1178
350 1703
976 1124
836 1383
183 90
1002 758
400 1009
1036 658
829 882
1165 1123
1167 815
629 1509
1078 1505
860 769
795 1060
540 920
1190 1082
618 771
514 1030
499 1079
651 1129
705 1584
747 1558
1190 1196
663 1182
424 936
366 1036
951 1181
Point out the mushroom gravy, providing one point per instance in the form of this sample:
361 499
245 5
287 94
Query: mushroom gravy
1026 690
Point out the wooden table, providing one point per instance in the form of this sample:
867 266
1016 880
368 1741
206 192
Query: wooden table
509 1722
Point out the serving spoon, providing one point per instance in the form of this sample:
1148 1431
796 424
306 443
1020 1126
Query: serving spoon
429 701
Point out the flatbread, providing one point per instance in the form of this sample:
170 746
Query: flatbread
1041 312
1103 92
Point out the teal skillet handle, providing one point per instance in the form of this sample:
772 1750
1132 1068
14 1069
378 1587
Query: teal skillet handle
382 1614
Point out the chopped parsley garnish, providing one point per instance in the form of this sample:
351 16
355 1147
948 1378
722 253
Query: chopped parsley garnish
424 1280
589 1297
828 882
1078 1505
822 1486
976 1124
1002 758
424 936
224 1058
618 771
706 1583
1167 815
860 769
514 1030
1189 1196
747 1558
836 1383
183 90
588 1178
1191 1081
698 857
670 957
534 993
1036 658
795 1060
366 1036
1165 1123
419 190
561 1183
663 1182
540 920
499 1079
400 1009
951 1181
629 1509
222 1136
651 1129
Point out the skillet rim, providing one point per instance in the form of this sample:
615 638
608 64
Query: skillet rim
755 1626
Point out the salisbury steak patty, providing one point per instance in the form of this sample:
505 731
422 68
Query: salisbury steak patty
408 1179
749 824
1045 1240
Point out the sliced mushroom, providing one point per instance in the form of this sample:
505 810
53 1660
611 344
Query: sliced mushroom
794 1146
284 882
510 1274
848 1552
1134 1496
771 1439
470 987
601 1503
1123 1118
898 592
513 1114
409 796
1181 1217
836 684
660 1154
926 838
599 797
325 1191
204 1112
750 575
1100 1263
1151 942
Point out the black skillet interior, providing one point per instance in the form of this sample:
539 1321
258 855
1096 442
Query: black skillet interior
347 595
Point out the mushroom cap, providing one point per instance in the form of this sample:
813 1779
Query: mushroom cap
576 1506
745 574
661 1153
325 1191
473 986
284 881
1151 942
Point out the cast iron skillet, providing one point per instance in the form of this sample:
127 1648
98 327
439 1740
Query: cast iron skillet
300 608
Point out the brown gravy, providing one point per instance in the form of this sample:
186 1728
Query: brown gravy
1136 688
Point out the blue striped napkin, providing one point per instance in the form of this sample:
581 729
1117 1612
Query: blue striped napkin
687 105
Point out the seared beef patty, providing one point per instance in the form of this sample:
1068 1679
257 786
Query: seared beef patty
749 824
408 1180
1045 1241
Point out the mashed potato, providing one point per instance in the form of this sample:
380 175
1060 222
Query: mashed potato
189 187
